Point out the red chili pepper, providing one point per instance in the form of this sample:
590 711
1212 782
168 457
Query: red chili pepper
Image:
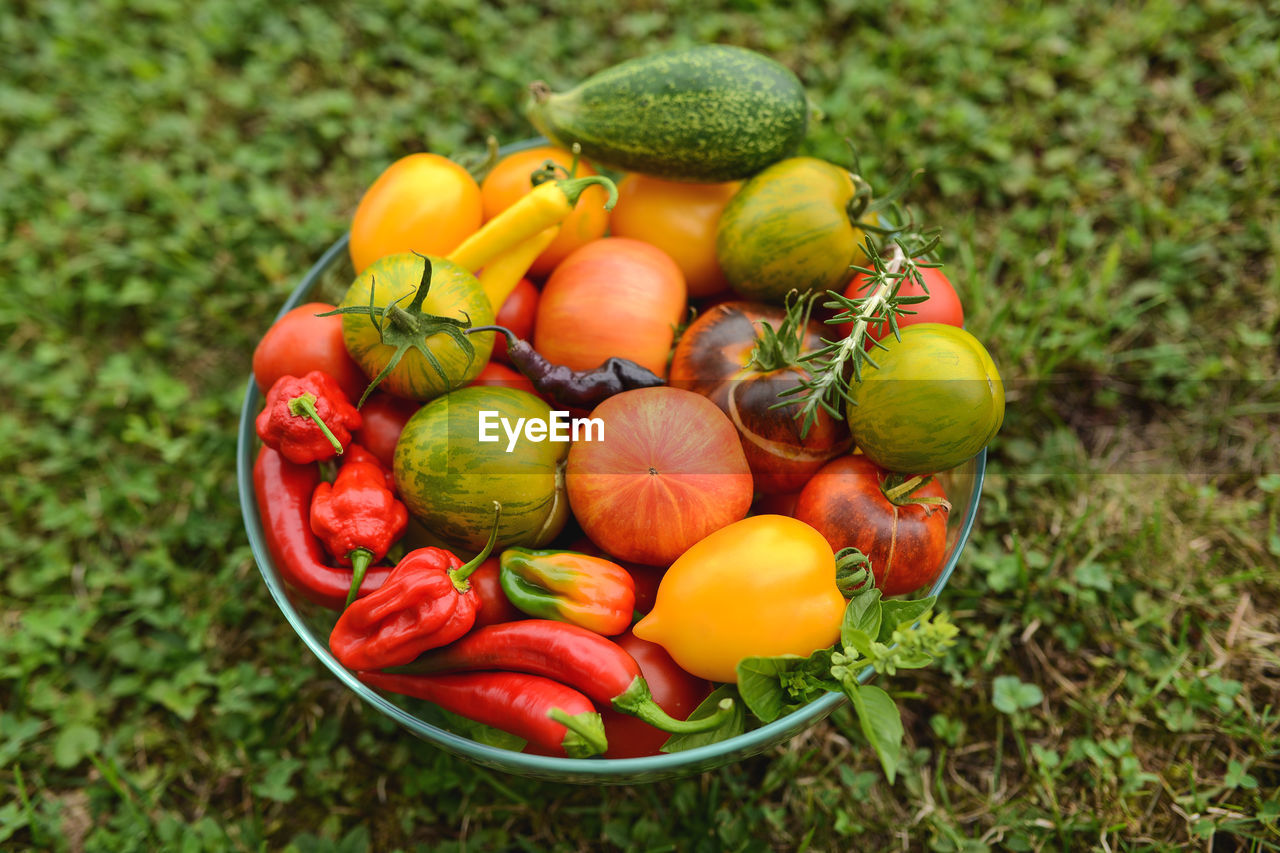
357 518
284 489
426 602
549 715
592 592
307 418
583 659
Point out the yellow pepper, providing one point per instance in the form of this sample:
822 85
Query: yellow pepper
762 586
501 275
545 206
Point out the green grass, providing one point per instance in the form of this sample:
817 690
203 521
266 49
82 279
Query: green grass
1106 182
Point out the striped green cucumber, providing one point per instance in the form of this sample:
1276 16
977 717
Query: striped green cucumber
935 400
449 479
707 113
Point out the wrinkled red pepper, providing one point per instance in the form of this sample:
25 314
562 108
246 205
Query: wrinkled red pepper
552 717
592 592
357 517
425 603
307 418
357 453
283 490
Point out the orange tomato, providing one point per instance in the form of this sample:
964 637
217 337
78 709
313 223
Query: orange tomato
509 180
679 218
422 203
613 297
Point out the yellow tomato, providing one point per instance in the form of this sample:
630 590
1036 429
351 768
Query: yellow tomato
422 203
762 586
509 180
679 218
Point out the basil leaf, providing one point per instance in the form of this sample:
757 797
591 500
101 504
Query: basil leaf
894 613
881 723
862 614
479 732
773 687
734 725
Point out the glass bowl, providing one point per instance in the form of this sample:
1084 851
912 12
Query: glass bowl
326 281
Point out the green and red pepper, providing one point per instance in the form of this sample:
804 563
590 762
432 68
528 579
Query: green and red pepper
588 591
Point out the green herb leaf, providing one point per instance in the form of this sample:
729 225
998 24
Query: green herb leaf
734 725
894 613
1010 694
862 619
775 686
881 723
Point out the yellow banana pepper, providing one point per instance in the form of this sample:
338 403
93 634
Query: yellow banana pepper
501 275
545 206
762 586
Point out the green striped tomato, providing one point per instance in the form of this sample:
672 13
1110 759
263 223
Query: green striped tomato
790 228
935 400
449 479
454 293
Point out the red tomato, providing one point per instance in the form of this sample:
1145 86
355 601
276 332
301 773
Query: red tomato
613 297
681 219
906 542
383 417
502 376
715 358
421 203
495 607
668 470
779 503
301 342
942 306
518 313
509 180
676 692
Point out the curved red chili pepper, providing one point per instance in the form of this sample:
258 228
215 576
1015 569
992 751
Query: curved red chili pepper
284 490
549 715
567 653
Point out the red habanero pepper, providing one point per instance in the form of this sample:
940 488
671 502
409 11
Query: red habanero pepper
356 453
357 518
284 490
551 716
575 656
426 602
307 418
588 591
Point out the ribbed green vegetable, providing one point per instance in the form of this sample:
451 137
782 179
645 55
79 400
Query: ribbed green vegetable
708 113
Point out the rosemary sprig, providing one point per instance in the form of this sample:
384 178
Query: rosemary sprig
832 368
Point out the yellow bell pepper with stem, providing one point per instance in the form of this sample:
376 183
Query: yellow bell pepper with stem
501 275
759 587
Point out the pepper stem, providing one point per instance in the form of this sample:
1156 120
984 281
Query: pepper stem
638 701
459 575
304 405
360 558
585 737
502 330
575 187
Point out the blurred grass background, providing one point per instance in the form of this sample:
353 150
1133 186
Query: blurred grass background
1106 178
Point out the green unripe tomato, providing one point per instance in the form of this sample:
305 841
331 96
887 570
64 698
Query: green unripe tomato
794 226
935 400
